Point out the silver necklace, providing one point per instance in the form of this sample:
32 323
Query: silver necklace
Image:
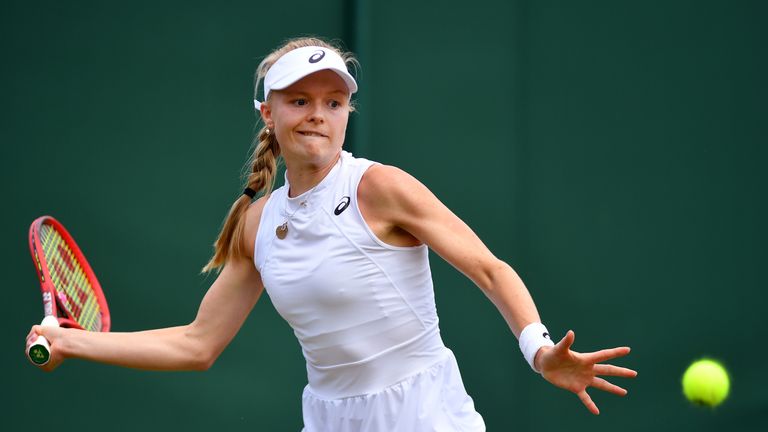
281 231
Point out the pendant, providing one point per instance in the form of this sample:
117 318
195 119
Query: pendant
282 230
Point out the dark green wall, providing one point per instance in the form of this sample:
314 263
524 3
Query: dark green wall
610 151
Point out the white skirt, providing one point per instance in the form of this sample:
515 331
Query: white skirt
431 400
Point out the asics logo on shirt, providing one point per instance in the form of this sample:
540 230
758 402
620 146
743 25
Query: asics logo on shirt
342 206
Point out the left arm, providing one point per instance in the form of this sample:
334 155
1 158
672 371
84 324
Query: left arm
400 209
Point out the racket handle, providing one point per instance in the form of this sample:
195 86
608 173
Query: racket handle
40 350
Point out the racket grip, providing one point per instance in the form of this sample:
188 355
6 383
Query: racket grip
40 350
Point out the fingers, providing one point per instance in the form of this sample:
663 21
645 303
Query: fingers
34 331
606 354
604 385
32 335
587 401
567 341
611 370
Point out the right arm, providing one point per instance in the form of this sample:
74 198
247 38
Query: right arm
194 346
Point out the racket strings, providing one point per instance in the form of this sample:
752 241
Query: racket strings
74 289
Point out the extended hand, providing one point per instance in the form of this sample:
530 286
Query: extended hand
576 371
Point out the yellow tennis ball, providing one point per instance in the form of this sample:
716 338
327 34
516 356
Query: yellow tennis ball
706 382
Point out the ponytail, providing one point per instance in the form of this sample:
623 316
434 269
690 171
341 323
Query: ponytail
230 243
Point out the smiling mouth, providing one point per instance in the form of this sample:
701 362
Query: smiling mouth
312 134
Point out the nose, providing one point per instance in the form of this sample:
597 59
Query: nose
316 114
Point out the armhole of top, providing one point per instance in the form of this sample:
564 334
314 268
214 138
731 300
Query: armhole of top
374 237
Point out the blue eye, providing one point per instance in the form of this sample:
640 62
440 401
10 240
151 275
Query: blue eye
334 104
300 102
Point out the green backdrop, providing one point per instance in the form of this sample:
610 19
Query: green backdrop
611 152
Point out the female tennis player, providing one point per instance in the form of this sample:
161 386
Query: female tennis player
341 249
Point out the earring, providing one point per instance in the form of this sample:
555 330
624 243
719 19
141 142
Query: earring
268 131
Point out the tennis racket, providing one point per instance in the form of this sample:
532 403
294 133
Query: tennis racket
72 296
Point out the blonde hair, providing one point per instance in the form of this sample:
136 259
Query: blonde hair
263 162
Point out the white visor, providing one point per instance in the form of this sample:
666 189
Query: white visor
300 62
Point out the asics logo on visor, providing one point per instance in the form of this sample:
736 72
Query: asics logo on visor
317 56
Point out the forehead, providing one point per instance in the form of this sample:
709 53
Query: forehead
324 81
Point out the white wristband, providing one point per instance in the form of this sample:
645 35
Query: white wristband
533 337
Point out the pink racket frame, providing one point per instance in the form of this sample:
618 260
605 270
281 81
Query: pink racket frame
50 298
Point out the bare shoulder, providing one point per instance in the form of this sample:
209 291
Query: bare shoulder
385 184
252 219
392 195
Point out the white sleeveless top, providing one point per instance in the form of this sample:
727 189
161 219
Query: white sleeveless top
362 310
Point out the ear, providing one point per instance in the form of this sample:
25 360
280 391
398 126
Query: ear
266 114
